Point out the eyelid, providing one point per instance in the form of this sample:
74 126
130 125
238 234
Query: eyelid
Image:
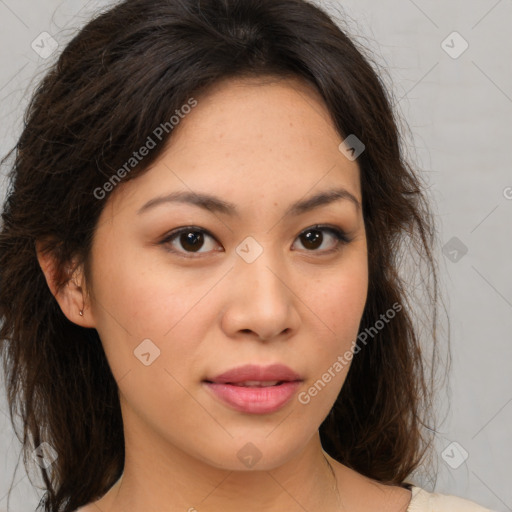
167 238
338 233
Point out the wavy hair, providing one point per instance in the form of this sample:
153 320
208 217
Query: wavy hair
124 73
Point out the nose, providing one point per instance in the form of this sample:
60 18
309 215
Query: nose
260 300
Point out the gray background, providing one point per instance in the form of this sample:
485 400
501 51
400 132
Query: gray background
459 110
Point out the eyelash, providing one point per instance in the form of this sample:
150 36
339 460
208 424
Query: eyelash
338 234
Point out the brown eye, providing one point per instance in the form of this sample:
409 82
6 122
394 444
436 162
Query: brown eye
313 238
191 240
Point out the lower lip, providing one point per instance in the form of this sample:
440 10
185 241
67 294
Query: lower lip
252 399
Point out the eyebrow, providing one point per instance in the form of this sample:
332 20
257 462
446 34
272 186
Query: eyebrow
216 204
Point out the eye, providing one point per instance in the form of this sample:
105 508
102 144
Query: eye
192 239
313 238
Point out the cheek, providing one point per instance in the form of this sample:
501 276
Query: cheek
338 302
339 307
136 303
143 297
340 298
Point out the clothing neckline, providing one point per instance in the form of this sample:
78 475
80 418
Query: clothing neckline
414 493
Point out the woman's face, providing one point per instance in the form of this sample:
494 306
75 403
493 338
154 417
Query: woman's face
251 280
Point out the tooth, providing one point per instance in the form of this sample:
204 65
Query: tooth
257 384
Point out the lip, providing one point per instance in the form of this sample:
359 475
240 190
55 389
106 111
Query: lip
255 400
258 373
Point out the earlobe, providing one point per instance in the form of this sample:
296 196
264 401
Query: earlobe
71 296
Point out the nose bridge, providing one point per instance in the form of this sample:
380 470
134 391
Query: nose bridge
262 270
260 299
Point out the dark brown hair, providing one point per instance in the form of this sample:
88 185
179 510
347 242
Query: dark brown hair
127 71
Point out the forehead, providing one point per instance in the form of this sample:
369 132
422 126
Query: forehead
248 135
258 105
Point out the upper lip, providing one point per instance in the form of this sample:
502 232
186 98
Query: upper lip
251 372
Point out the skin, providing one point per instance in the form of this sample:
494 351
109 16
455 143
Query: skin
261 145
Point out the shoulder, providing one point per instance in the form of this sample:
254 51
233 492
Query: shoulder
424 501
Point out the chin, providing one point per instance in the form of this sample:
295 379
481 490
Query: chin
255 453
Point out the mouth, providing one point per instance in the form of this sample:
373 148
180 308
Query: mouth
255 389
251 383
253 397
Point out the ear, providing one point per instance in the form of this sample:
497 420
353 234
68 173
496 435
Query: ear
72 296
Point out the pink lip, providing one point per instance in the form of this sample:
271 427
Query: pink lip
255 400
254 372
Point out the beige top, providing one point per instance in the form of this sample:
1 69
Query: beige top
423 501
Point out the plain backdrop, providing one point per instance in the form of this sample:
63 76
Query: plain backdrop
449 64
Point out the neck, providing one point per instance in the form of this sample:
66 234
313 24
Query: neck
168 480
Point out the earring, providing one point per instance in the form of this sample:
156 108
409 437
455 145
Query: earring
81 312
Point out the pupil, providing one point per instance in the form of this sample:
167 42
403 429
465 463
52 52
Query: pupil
312 238
192 240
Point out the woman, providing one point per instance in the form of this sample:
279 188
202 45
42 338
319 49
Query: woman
202 298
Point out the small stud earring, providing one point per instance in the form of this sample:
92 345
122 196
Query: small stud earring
81 312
